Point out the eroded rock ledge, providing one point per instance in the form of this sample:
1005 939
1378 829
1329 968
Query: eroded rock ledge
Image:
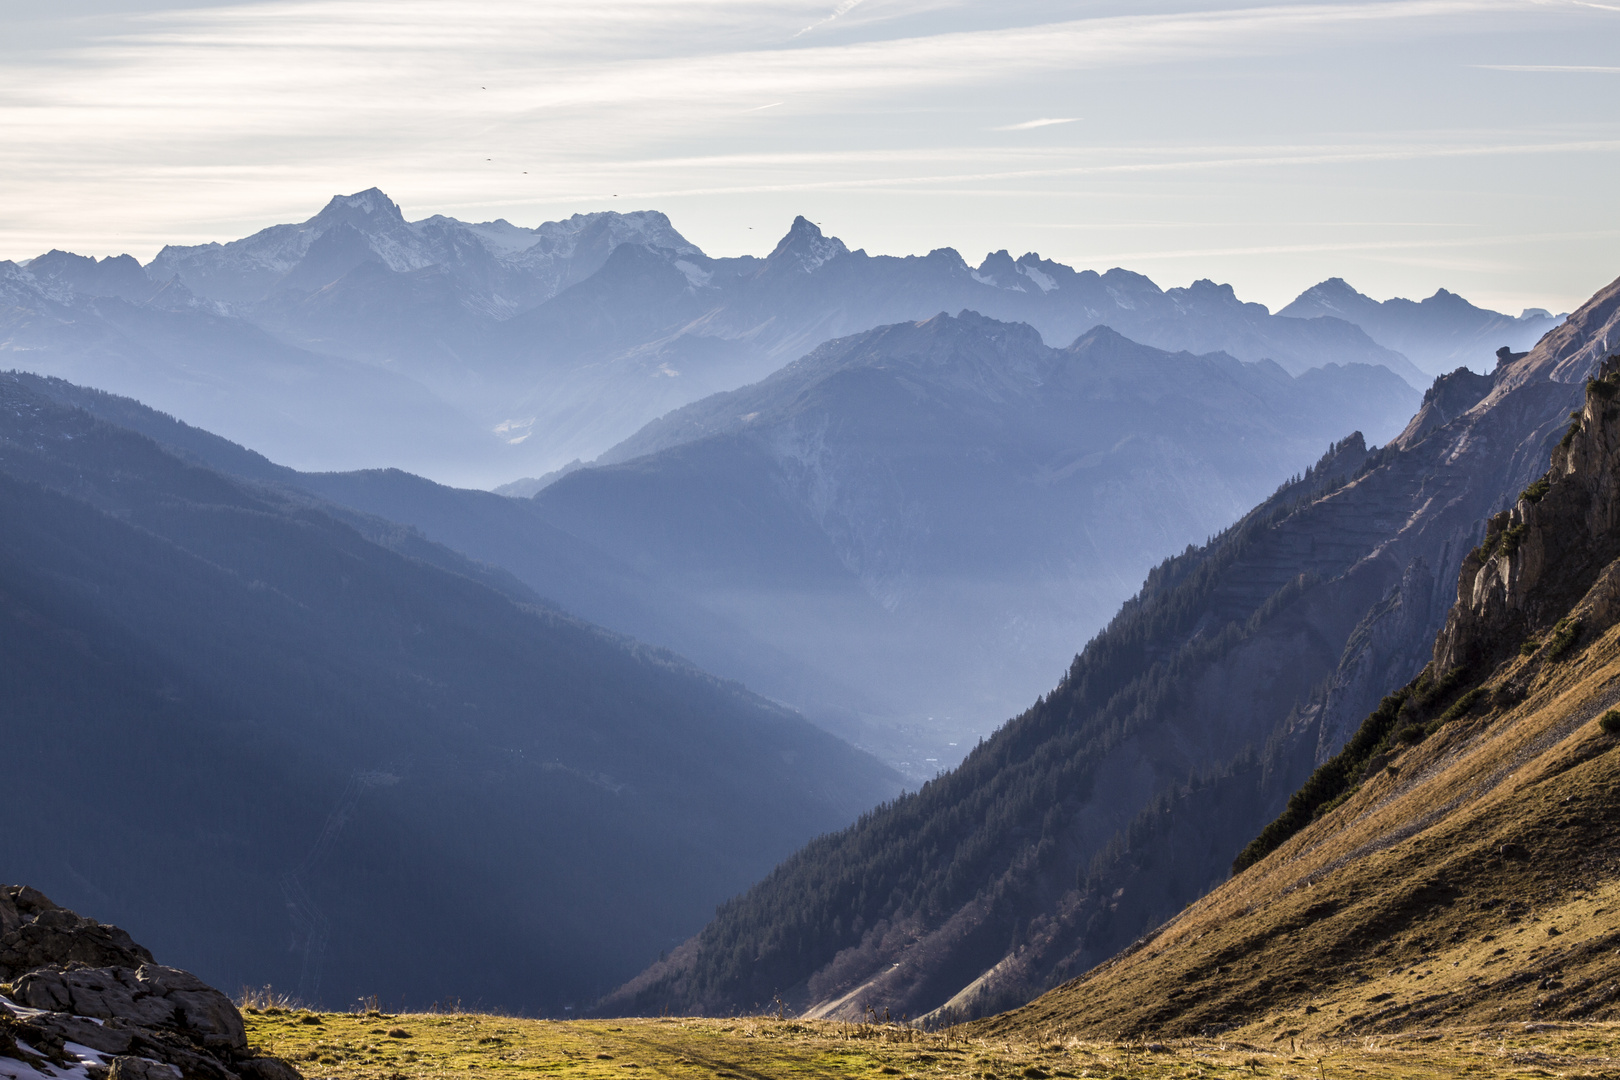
82 1001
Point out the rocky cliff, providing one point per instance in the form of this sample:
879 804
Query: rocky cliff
82 1001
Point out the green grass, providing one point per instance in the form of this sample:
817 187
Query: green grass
469 1045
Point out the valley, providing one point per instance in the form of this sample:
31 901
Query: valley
567 541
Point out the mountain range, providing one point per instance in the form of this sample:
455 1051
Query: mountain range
932 514
1176 735
287 742
479 352
345 728
901 535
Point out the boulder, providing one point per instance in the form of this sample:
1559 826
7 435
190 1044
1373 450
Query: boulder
138 1068
35 933
76 983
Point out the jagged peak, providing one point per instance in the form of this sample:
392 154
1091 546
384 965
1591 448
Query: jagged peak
808 245
1120 277
1445 298
1206 286
969 321
364 208
1099 335
1330 290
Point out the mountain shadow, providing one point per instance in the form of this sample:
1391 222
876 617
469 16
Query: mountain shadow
284 752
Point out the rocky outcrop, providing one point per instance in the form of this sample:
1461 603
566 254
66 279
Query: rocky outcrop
1547 550
80 999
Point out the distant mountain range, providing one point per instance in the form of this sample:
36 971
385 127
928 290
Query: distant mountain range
1186 727
934 513
903 534
1439 334
289 743
478 353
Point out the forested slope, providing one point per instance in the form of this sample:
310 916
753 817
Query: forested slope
1456 863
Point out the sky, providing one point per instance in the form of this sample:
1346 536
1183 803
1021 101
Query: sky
1404 146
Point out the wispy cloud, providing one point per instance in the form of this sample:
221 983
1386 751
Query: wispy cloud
1043 122
844 7
200 123
1549 67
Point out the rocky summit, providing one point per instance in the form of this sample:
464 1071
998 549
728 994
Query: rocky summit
80 1000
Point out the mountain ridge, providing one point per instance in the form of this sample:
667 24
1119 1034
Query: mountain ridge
944 506
1470 820
462 313
1264 650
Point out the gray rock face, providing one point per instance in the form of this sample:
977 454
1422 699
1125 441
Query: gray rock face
35 933
135 1068
150 996
127 1018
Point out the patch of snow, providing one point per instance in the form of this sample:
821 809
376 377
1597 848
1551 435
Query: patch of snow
695 275
820 250
1044 280
509 430
15 1069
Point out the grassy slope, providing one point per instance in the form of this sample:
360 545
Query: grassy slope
357 1047
1476 882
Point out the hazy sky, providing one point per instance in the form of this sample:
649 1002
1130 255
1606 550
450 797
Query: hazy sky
1471 144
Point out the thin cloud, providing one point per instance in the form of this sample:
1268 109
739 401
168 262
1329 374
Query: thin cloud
1549 67
1043 122
844 8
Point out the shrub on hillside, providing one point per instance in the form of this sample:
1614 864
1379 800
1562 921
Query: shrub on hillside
1563 636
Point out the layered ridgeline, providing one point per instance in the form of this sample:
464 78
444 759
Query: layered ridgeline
105 324
1438 334
285 743
931 514
1458 862
902 534
1175 736
476 352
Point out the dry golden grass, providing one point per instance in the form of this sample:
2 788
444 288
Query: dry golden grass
453 1046
1476 883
